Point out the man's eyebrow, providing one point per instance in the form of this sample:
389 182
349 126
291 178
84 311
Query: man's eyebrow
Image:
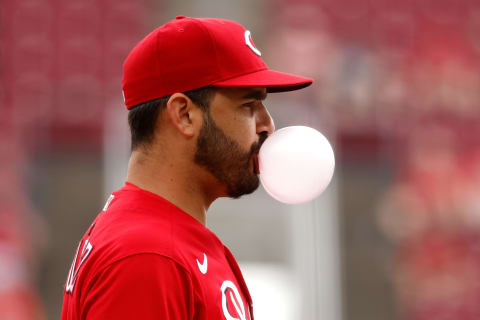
255 94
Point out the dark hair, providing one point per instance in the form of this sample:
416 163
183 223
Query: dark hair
143 117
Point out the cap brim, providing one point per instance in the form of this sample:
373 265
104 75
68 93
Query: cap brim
274 81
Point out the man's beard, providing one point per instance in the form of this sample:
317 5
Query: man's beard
224 158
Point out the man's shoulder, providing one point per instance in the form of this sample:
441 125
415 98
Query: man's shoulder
135 222
129 230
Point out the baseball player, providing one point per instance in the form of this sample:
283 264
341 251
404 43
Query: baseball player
194 89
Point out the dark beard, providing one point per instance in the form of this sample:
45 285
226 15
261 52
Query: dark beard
225 160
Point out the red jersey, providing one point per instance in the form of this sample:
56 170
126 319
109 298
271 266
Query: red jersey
145 258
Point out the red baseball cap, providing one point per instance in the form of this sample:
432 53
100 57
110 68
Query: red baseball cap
190 53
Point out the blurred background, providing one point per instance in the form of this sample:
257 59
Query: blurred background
395 236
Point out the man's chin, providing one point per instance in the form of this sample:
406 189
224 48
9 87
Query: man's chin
244 189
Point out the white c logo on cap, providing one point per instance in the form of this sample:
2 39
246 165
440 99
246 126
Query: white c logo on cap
249 43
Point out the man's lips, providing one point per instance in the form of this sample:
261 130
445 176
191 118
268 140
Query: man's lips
256 168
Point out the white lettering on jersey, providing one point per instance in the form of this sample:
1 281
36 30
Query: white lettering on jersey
228 287
72 274
108 202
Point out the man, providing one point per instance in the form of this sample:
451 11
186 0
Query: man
194 89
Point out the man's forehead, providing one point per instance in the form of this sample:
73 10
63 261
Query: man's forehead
259 93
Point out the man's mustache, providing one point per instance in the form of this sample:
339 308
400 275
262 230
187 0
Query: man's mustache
262 136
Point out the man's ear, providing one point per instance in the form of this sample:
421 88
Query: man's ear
185 116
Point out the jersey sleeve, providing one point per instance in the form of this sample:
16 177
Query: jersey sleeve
143 286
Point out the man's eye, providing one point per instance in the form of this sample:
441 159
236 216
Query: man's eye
249 104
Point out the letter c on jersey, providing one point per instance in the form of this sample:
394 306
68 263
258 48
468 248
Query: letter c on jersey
77 263
228 287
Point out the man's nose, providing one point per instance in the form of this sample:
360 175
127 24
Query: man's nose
265 121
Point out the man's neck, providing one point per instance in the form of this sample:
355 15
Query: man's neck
172 182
